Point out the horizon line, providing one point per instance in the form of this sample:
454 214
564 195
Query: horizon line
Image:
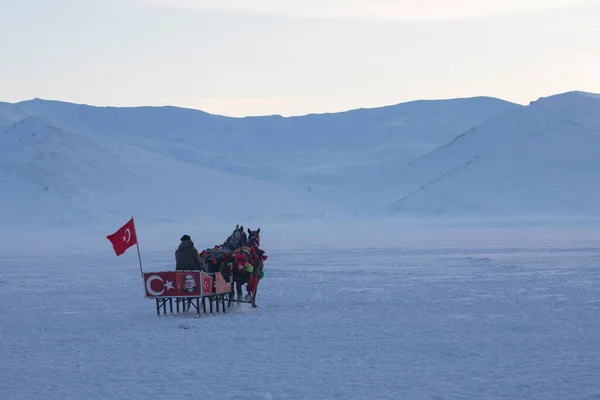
441 99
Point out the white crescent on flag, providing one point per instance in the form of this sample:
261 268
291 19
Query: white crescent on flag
127 238
149 285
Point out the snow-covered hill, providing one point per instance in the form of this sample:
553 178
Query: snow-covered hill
10 114
317 149
112 159
541 160
66 162
57 175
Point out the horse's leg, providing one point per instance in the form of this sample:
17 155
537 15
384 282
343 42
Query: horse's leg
248 282
238 286
253 296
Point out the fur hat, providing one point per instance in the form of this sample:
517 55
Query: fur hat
186 237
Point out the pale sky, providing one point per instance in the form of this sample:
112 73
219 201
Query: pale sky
293 57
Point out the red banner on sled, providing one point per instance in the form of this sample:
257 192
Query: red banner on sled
207 284
173 284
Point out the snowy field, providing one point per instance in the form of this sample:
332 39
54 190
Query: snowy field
490 314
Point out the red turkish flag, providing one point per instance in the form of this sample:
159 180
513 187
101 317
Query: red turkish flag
124 238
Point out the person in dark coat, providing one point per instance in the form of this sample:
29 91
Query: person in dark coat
186 255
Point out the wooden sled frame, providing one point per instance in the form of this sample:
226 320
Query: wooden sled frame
185 304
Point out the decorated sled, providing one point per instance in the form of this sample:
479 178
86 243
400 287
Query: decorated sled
224 270
188 289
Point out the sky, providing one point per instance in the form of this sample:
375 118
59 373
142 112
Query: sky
295 57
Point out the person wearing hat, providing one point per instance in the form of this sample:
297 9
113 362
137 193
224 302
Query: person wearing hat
186 256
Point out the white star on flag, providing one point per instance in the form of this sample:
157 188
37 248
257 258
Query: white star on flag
169 285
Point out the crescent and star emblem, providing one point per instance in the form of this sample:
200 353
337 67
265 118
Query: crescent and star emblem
127 236
168 285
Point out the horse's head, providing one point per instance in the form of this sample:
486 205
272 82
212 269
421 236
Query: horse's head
244 237
238 238
254 238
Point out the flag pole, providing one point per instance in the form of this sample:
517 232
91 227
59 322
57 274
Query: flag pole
138 247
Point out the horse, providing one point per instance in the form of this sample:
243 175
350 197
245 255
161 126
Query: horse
246 266
215 259
238 259
254 238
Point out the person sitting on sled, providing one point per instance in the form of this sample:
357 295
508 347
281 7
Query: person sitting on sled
187 257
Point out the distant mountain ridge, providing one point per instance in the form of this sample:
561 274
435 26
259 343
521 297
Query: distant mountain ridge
174 122
472 156
309 150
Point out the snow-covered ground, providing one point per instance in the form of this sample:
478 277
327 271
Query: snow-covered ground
445 313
